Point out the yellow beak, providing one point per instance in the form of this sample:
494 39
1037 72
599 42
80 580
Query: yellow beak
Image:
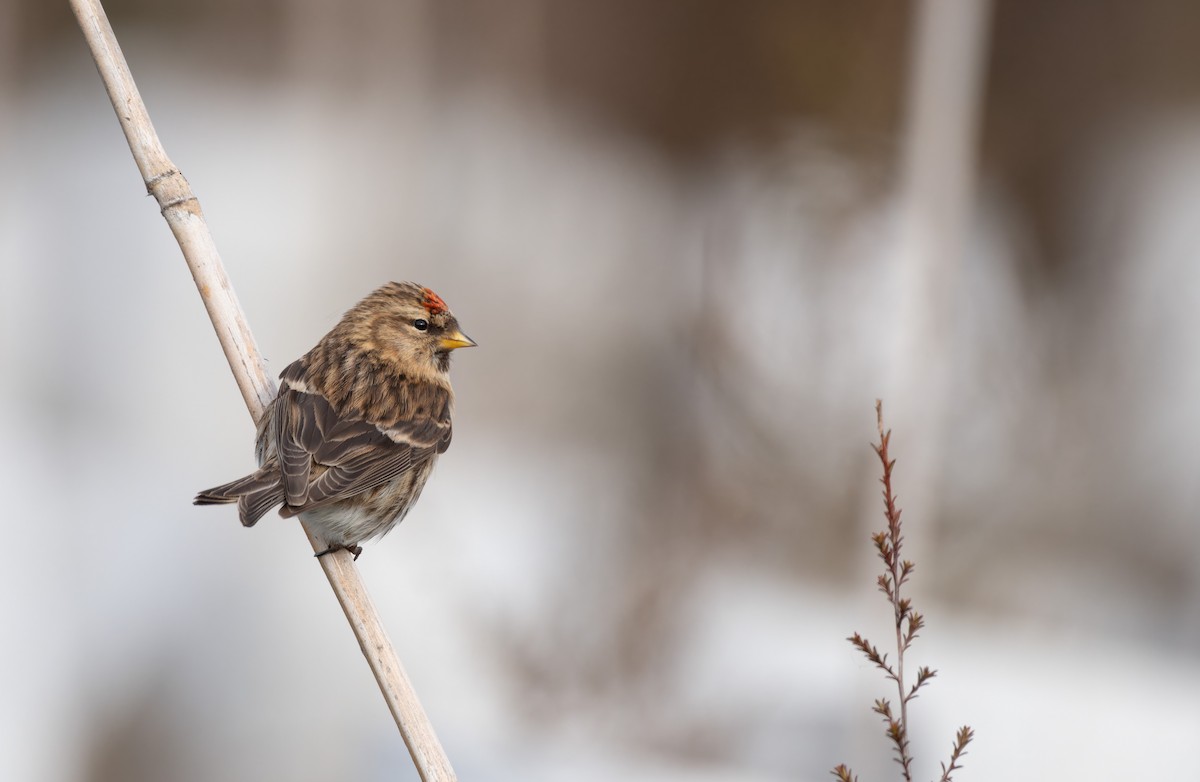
457 340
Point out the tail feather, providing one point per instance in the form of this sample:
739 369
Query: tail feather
230 492
251 507
255 494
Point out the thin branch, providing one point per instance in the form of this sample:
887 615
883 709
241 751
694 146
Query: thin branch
889 544
182 212
908 624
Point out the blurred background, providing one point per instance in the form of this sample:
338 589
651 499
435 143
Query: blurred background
695 240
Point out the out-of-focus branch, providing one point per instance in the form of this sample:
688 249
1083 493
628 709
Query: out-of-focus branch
182 213
944 104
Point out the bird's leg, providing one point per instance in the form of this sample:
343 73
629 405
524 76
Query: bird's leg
355 550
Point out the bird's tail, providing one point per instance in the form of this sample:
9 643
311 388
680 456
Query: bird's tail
255 494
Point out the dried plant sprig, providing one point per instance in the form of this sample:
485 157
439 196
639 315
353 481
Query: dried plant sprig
182 212
896 574
844 774
961 740
908 623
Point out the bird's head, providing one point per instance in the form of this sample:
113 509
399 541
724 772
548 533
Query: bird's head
410 327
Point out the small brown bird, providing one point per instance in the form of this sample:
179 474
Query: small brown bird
359 421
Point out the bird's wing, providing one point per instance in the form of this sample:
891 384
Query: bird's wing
325 457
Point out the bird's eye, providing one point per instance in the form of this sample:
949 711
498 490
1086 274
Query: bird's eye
420 324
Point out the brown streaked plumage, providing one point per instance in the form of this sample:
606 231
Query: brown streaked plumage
359 421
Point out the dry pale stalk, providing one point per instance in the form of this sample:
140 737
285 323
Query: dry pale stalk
182 213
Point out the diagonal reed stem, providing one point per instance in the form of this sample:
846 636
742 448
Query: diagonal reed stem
182 212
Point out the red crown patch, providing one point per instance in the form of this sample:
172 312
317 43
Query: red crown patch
434 303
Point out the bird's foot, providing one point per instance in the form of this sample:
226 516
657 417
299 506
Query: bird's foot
355 550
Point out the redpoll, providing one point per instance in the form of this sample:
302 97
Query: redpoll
359 421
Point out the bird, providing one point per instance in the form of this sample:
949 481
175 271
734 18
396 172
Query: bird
358 422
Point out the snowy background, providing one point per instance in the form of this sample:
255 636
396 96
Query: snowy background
682 233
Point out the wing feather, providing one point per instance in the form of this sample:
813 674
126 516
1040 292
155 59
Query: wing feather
325 457
293 412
